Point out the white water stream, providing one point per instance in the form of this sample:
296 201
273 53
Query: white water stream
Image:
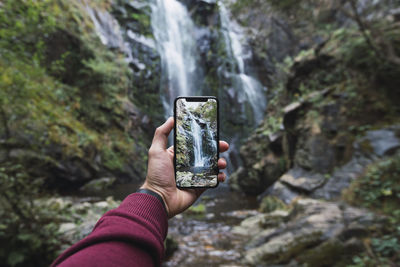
173 30
247 86
197 133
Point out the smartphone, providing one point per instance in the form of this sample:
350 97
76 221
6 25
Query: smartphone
196 139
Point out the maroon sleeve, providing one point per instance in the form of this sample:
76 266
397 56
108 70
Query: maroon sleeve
130 235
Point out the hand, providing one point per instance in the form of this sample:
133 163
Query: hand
161 176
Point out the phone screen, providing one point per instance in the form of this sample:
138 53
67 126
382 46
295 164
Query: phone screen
196 142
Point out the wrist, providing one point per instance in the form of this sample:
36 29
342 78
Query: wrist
156 191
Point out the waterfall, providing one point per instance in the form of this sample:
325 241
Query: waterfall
197 134
173 30
182 75
247 86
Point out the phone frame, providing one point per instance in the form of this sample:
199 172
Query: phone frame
196 99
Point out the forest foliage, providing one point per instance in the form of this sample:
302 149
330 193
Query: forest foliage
62 98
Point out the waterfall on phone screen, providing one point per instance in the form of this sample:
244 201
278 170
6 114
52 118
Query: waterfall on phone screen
199 160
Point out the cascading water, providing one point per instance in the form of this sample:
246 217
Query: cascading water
173 30
243 83
196 132
182 74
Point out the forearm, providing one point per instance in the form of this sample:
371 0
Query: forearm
131 235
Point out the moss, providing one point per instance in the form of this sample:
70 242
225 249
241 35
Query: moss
199 209
326 254
379 187
68 96
271 203
379 190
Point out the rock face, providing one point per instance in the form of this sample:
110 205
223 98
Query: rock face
314 232
98 185
316 152
322 131
299 181
141 54
263 164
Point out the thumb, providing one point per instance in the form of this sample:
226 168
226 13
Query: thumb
160 139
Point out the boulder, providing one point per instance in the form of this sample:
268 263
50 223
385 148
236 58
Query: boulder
263 163
384 141
374 145
313 231
282 192
80 217
315 153
271 203
98 185
302 180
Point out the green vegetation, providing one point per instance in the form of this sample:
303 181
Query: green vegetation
199 209
63 99
70 96
271 203
379 190
28 231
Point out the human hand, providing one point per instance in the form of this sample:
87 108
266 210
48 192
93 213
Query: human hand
161 175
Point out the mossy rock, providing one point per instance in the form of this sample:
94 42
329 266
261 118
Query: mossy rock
272 203
98 185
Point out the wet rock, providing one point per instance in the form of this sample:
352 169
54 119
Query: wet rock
329 185
313 225
141 54
279 250
327 253
315 153
107 28
341 178
380 143
303 180
274 218
74 170
384 142
261 167
271 203
282 192
76 217
98 185
250 226
66 227
210 216
204 12
241 214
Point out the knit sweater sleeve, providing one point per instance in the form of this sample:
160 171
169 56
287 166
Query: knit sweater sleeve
130 235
